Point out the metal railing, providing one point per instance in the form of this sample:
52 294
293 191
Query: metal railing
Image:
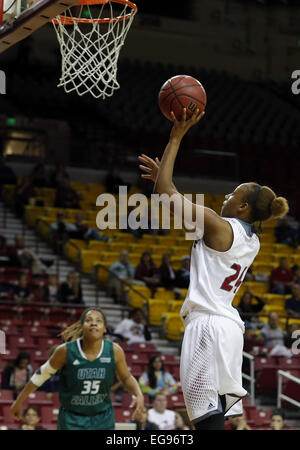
251 377
280 396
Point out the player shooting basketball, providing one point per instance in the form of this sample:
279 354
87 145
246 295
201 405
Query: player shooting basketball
212 349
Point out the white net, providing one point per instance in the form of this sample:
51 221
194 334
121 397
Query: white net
91 37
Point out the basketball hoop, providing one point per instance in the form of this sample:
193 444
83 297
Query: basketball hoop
90 44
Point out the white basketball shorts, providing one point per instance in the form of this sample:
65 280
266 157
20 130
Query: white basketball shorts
211 365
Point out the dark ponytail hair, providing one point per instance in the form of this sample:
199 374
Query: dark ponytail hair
264 203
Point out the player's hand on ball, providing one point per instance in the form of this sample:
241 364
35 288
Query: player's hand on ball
151 167
180 127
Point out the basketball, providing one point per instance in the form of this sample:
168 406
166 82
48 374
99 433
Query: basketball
181 91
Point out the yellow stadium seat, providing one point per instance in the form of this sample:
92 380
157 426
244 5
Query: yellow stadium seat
87 260
274 299
32 213
157 308
76 185
109 257
182 250
277 256
269 308
296 259
102 275
266 248
173 326
256 287
149 239
267 238
168 241
138 296
283 249
264 258
100 246
164 294
160 249
139 248
43 227
127 238
73 248
258 267
70 214
51 211
175 305
118 246
296 321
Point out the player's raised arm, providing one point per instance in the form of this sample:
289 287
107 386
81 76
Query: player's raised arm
55 363
217 232
127 380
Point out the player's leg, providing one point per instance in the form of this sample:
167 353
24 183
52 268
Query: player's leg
215 419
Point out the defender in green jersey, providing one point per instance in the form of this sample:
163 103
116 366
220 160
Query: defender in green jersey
88 365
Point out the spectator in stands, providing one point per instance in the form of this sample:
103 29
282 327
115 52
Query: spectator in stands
271 334
70 291
84 232
247 305
59 175
292 304
156 379
51 290
167 275
277 420
296 272
180 423
31 418
250 341
16 374
7 175
237 423
5 287
22 195
39 176
287 232
66 197
159 414
25 257
281 278
147 272
124 272
22 292
134 329
183 274
142 421
60 231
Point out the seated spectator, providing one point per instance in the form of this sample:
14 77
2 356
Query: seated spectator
147 272
84 232
292 304
159 414
39 176
296 272
250 341
183 274
237 423
70 290
23 193
6 288
180 423
156 379
277 420
142 421
22 293
66 197
51 290
31 418
287 232
134 329
247 306
58 176
168 276
281 278
16 374
61 231
271 334
124 272
25 257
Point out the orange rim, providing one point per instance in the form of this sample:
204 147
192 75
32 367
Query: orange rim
68 20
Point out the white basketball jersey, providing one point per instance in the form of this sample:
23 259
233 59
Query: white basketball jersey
215 276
